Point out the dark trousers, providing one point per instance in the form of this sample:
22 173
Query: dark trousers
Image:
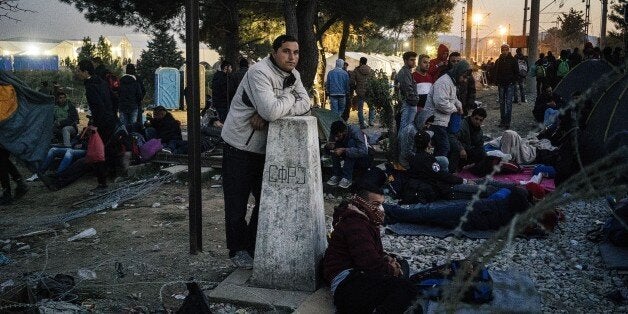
7 170
440 140
80 168
242 174
368 292
540 84
222 113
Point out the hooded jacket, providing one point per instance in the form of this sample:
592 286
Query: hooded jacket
436 70
506 70
263 91
407 86
338 80
130 94
361 75
443 99
406 137
355 243
168 128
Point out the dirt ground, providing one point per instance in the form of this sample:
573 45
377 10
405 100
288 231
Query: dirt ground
140 254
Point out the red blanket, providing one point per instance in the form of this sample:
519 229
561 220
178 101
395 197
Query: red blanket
525 175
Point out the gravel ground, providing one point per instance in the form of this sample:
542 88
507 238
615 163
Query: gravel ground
567 268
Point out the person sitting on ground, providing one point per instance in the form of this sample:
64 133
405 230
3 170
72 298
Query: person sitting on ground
66 119
363 278
422 121
351 145
164 126
471 137
8 171
68 155
546 106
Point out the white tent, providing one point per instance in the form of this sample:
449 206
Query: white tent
375 61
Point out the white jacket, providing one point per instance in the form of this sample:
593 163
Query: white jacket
442 100
263 83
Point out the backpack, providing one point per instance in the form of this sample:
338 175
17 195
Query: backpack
540 71
563 68
433 281
523 67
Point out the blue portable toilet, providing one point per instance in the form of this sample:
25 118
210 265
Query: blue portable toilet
167 87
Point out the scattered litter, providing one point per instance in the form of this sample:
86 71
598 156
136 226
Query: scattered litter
216 186
87 233
51 307
86 274
183 207
573 242
179 199
134 232
103 213
216 177
135 296
155 205
114 205
579 267
156 248
24 248
6 284
178 296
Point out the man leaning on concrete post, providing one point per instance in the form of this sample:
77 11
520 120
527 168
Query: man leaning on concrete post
271 89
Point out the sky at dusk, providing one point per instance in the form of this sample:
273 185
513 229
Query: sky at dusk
55 20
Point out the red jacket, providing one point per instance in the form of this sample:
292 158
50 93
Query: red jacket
435 70
355 243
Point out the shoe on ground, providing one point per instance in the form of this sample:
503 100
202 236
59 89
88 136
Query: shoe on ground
6 199
20 190
243 260
344 183
333 181
32 178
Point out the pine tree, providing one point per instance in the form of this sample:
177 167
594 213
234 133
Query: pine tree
87 50
617 38
162 52
103 50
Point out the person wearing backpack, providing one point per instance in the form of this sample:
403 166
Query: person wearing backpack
522 63
540 73
563 66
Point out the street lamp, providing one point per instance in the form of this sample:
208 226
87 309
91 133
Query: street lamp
502 32
477 19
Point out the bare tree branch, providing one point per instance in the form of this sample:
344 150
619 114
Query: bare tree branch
11 6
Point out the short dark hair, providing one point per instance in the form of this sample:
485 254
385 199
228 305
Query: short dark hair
243 63
336 128
130 69
518 50
282 39
86 65
479 112
422 140
363 60
225 64
454 54
423 56
408 54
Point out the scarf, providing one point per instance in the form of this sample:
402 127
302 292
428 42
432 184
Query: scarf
372 212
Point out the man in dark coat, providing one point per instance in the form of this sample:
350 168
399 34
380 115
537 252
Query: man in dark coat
471 138
363 278
165 127
506 74
130 96
239 74
223 89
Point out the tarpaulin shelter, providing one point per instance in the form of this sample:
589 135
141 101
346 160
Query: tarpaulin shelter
582 77
325 118
609 115
26 118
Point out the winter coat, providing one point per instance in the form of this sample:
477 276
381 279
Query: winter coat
442 100
470 137
425 168
506 70
100 106
361 75
264 92
407 86
130 94
223 89
168 128
338 80
72 118
355 243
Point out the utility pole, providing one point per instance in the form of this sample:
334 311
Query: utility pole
462 28
587 19
477 28
533 42
603 22
525 17
468 30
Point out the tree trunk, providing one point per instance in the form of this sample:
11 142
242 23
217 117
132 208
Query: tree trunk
232 44
319 83
343 40
290 15
308 60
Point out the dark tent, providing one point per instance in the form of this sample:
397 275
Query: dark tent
26 118
609 115
325 118
582 77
